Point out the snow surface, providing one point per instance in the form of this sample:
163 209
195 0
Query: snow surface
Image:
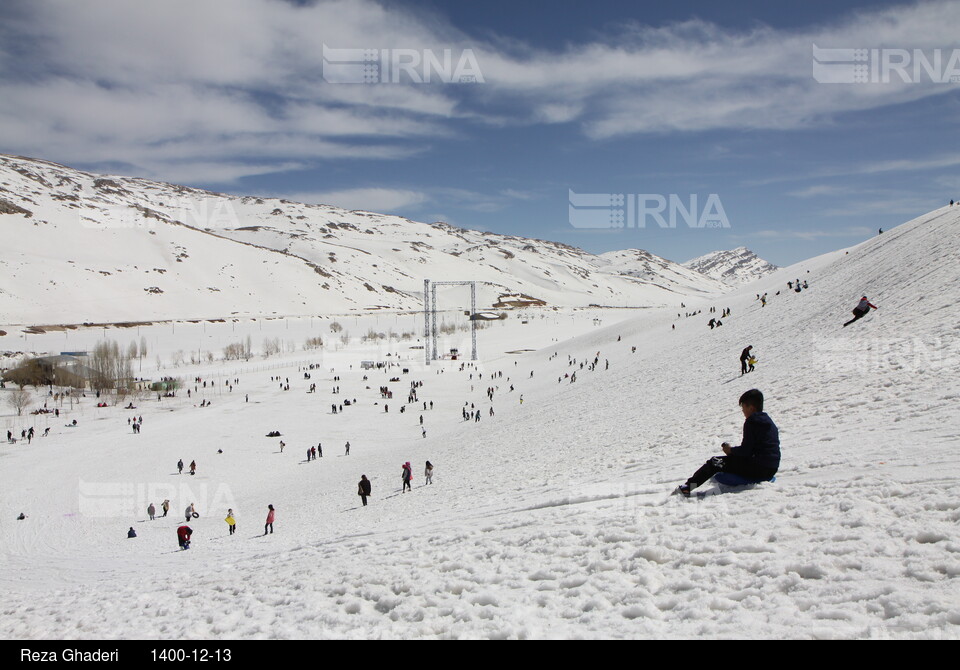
551 518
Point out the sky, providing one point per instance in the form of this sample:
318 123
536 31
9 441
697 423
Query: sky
714 125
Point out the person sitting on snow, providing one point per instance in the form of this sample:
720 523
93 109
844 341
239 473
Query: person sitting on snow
757 459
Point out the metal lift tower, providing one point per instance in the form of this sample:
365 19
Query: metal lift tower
430 330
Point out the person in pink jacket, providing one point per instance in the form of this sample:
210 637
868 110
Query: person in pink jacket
860 310
269 523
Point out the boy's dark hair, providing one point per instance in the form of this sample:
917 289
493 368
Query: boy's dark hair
753 398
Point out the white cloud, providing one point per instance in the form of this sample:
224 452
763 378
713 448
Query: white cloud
812 234
819 190
384 200
160 85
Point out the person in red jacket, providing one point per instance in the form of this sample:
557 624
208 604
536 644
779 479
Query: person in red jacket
269 523
183 536
860 310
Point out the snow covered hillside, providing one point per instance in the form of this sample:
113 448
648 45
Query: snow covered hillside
84 248
735 267
549 517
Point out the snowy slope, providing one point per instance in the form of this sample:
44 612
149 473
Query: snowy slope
87 248
734 267
550 518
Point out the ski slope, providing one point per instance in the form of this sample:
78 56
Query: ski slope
551 518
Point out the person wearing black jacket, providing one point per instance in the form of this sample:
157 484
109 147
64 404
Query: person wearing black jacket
744 357
757 459
363 489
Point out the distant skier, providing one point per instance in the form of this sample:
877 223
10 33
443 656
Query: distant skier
757 459
269 524
860 310
407 476
183 536
363 489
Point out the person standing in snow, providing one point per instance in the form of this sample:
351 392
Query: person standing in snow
860 310
348 449
757 459
193 467
165 507
744 357
363 489
190 512
428 473
180 467
151 511
231 521
407 476
269 524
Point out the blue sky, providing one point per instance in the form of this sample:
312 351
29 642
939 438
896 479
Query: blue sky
682 98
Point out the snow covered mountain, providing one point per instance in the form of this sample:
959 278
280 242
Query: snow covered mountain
87 248
735 267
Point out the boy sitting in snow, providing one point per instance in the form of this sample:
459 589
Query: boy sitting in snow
755 460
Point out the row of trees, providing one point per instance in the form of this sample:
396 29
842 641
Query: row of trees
110 367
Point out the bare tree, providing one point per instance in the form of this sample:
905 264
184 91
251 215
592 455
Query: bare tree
20 399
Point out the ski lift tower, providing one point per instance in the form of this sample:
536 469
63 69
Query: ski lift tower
430 330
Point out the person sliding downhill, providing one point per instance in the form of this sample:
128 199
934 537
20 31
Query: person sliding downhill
860 310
